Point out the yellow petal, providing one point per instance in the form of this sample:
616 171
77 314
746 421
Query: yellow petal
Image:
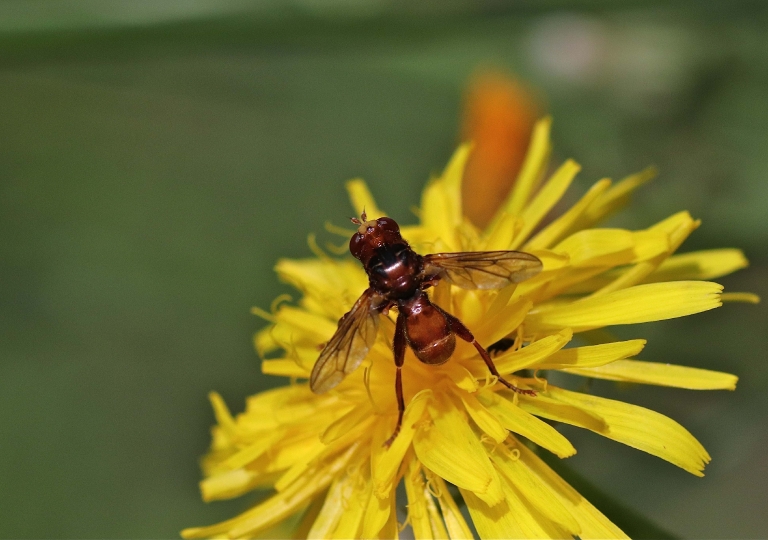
708 264
283 367
484 419
278 507
377 514
227 485
503 231
593 524
597 247
519 421
221 412
252 451
454 522
538 351
564 224
533 523
449 448
354 503
435 519
677 226
332 511
638 371
642 303
391 528
615 198
545 199
418 514
385 462
544 406
532 169
441 200
362 200
348 422
540 495
495 521
641 428
298 324
592 355
497 324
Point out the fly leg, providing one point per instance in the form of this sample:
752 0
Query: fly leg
398 347
458 328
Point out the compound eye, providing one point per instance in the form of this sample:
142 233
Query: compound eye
388 224
356 245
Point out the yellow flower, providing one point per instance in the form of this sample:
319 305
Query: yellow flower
322 456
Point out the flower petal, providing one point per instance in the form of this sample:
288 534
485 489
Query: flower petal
592 355
385 462
332 511
441 200
497 324
450 449
529 518
540 495
707 264
418 515
550 193
642 303
354 503
593 524
532 169
597 247
350 421
563 224
660 374
278 507
283 367
491 521
538 351
615 198
641 428
362 200
484 419
515 419
455 523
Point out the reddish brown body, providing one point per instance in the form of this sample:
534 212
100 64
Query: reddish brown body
398 277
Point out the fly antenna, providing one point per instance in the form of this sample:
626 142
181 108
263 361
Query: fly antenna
363 218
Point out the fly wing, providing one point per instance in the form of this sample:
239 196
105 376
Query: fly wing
348 346
482 269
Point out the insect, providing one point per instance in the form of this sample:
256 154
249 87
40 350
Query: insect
398 277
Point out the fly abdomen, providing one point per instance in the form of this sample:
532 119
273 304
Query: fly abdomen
427 330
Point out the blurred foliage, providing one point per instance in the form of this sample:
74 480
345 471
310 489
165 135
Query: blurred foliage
156 161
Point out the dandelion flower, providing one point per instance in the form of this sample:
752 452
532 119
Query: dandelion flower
323 456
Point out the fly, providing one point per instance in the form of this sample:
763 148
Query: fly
398 277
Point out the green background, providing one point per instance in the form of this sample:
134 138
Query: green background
156 158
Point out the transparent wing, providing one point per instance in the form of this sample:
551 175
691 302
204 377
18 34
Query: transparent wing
348 346
482 269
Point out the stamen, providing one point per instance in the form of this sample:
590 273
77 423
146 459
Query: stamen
367 382
337 250
277 301
314 248
433 490
255 310
747 298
